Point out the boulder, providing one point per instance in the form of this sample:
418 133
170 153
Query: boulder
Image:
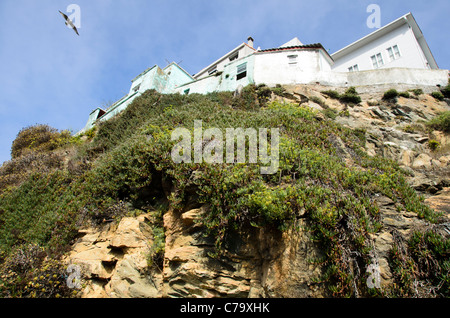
440 201
422 161
114 260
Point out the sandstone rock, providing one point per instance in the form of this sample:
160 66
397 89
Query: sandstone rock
445 160
131 280
422 161
391 150
441 137
340 147
440 201
259 265
191 216
113 260
406 157
421 139
129 233
290 274
436 163
382 245
371 149
377 112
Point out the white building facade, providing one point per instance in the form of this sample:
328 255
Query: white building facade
243 50
396 54
399 44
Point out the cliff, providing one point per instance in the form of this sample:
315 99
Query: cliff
359 205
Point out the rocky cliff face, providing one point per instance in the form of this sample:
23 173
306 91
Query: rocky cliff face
114 262
114 257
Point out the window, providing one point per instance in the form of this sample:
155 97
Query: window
234 56
292 59
186 91
136 88
212 70
377 60
353 68
394 52
241 71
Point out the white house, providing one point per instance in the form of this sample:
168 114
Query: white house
400 44
394 54
297 64
243 50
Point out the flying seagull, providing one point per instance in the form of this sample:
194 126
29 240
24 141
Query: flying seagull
69 22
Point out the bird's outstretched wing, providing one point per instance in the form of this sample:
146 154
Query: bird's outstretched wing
69 22
65 16
75 29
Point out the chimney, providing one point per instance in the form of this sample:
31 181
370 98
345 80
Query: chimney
250 41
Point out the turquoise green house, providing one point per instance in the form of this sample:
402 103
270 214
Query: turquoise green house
165 81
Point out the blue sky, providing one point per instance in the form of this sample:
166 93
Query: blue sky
49 75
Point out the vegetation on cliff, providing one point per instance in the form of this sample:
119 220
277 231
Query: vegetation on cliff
124 166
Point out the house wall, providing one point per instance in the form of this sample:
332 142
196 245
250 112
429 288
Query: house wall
163 80
150 79
91 120
174 77
273 68
411 54
116 108
226 80
224 61
398 76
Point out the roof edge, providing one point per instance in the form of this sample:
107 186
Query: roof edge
146 71
375 34
420 37
182 69
223 58
298 47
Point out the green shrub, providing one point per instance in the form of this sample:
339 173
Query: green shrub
390 94
319 101
28 272
39 138
344 113
264 93
350 96
408 129
281 91
421 261
440 122
16 171
404 94
330 113
155 258
438 95
131 168
417 91
278 90
332 94
433 144
31 211
446 91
